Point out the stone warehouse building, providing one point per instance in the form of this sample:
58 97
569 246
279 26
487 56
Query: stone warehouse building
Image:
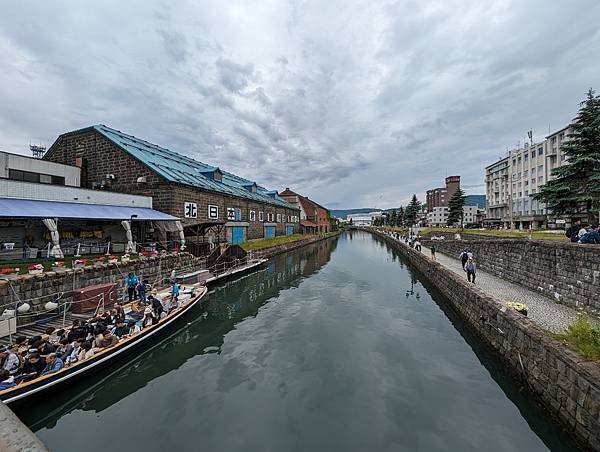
214 205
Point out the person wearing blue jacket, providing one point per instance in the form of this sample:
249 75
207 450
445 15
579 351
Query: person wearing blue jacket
131 281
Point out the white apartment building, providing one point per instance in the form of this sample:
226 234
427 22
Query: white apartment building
512 180
438 216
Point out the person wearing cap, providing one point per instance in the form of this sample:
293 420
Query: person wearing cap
9 361
53 364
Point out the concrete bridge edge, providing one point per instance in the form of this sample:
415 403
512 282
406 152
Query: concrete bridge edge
16 436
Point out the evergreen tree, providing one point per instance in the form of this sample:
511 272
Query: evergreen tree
577 184
393 218
351 221
455 207
400 217
411 211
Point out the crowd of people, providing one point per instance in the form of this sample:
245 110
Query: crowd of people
584 232
29 358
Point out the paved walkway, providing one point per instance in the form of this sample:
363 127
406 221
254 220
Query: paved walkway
542 310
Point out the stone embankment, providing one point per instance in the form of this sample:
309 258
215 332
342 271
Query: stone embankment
566 272
566 384
267 253
15 436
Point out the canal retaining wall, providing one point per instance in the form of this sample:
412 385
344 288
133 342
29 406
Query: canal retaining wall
15 436
564 382
267 253
39 289
566 272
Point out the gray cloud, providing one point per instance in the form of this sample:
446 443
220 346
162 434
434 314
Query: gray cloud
352 103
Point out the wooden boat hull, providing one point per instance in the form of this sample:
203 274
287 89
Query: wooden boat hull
37 387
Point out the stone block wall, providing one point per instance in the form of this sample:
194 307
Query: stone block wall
565 383
42 287
566 272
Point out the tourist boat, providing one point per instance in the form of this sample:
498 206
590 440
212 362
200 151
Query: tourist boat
189 296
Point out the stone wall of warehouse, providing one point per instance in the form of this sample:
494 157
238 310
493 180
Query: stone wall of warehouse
28 287
565 383
566 272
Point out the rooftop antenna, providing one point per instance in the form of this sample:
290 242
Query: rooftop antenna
37 151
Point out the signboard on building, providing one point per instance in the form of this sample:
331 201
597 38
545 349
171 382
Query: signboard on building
190 210
213 212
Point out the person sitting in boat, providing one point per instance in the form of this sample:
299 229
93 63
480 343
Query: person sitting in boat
121 329
108 340
150 317
64 349
9 361
73 357
21 344
157 304
135 327
119 313
7 381
53 364
77 331
45 348
86 352
33 366
172 304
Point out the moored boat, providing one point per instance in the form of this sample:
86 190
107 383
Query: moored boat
188 298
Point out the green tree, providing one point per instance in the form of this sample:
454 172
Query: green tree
576 186
351 221
411 211
393 218
400 217
455 208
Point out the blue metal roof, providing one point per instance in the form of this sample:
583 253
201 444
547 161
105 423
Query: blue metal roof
177 168
31 208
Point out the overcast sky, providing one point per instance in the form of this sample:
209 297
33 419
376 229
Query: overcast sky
353 103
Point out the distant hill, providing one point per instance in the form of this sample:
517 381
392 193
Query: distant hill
478 200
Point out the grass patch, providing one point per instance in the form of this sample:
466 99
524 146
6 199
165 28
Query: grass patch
558 235
584 337
259 244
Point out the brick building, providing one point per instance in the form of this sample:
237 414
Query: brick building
313 216
214 205
439 197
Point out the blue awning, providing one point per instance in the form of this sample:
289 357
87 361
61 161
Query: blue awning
30 208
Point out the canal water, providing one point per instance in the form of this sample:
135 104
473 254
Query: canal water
336 347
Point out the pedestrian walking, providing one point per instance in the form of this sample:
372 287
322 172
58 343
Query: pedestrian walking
417 245
464 257
471 268
432 249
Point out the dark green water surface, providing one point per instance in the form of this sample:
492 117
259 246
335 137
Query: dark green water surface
335 347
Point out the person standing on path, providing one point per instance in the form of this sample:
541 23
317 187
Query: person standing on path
417 245
471 268
464 257
432 249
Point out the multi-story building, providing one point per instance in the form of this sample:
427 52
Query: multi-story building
438 217
211 203
313 216
497 192
439 197
512 180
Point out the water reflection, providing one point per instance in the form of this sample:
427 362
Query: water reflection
228 304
